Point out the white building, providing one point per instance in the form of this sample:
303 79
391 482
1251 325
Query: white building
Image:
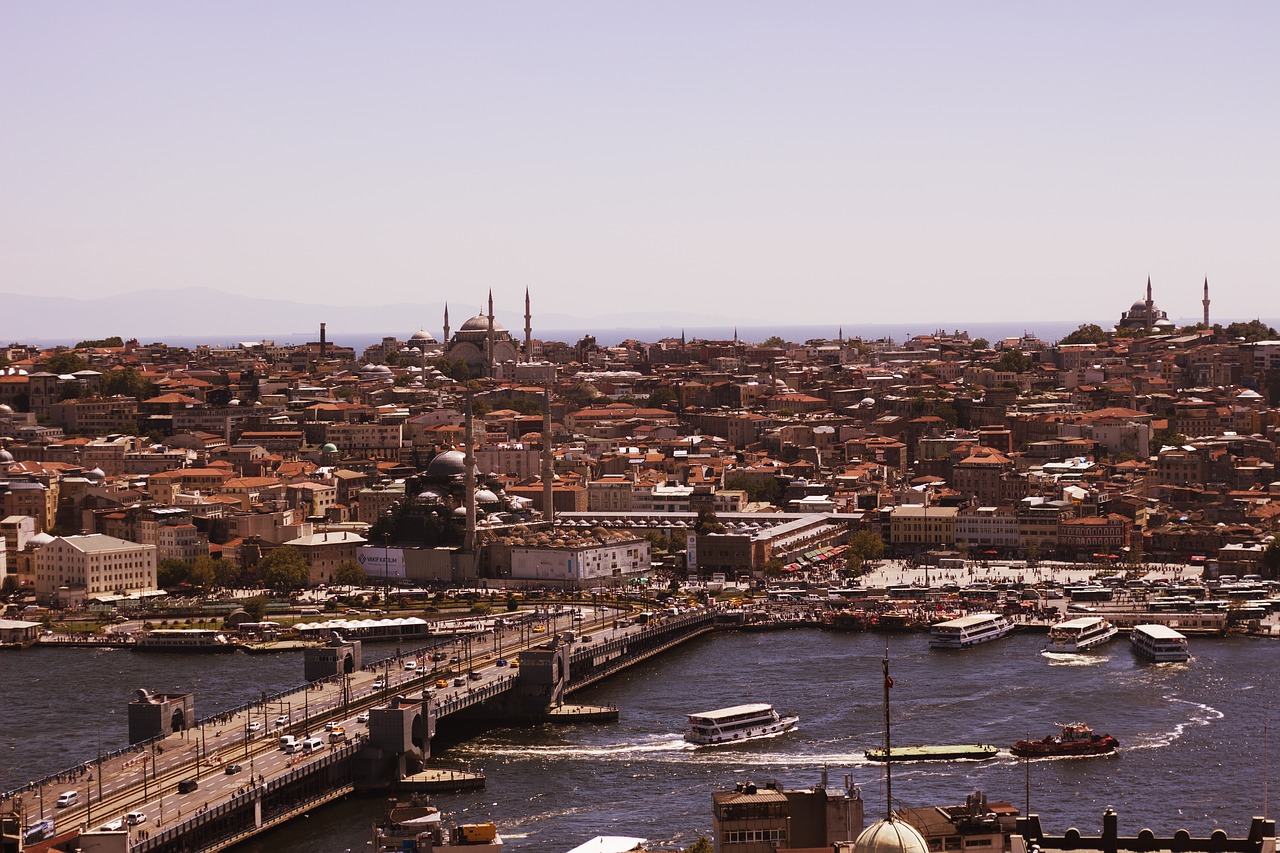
580 563
99 564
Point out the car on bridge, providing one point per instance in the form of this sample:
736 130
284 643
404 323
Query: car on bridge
379 683
362 717
232 769
135 818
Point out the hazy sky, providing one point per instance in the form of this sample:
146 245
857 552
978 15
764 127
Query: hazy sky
804 162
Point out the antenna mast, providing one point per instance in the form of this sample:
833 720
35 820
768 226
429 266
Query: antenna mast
888 764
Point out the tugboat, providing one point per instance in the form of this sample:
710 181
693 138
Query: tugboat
1076 739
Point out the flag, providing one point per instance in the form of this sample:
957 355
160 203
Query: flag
888 682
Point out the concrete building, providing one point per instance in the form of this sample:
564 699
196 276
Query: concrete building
580 564
99 564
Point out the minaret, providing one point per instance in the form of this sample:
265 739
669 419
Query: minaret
491 359
1205 302
446 326
548 459
1150 301
528 328
469 482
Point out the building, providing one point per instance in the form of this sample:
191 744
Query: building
324 552
915 527
581 563
1144 316
764 819
96 563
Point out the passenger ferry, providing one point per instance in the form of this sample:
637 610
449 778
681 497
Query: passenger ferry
1080 635
969 631
741 722
183 640
1159 643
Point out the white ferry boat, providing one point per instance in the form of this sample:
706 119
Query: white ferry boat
969 631
741 722
1159 643
1080 635
183 640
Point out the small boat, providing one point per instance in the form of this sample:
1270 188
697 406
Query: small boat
1080 635
1075 739
739 723
965 751
417 826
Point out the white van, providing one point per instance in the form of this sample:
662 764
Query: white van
312 745
290 744
68 798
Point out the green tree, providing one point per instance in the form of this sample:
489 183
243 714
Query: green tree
65 362
1253 330
256 607
773 342
702 845
227 573
979 343
128 382
285 569
867 545
661 398
708 523
113 341
1271 558
204 572
1014 361
350 573
170 572
758 489
1086 333
1168 437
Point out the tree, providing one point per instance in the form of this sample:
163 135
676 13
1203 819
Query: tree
170 572
661 398
1254 330
980 343
867 545
204 572
128 382
285 569
1166 437
65 362
702 845
1086 333
1014 361
758 489
113 341
774 342
1271 558
350 574
227 573
256 607
708 523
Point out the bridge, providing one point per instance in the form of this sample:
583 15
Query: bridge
202 785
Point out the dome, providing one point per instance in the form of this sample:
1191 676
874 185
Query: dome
96 474
480 323
485 496
1138 307
890 836
5 456
451 463
329 448
6 409
375 371
423 336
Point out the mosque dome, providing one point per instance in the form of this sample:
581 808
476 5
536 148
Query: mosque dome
375 371
329 448
422 336
890 836
96 474
451 463
484 496
480 323
6 409
5 456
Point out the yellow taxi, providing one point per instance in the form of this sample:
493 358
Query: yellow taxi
442 683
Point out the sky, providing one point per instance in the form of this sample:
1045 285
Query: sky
799 161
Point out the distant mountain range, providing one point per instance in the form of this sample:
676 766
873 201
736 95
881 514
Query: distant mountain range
216 316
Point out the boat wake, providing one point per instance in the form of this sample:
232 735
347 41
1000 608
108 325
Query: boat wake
1073 659
1201 715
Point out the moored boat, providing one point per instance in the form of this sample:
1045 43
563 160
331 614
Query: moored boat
953 752
423 828
1075 739
739 723
1080 635
183 640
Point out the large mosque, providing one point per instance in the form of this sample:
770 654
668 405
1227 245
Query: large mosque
483 343
1144 316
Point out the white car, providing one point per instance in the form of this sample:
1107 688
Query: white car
253 727
282 720
379 683
362 717
135 818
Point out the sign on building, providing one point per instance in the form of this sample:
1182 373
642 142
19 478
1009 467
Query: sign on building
381 562
691 551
